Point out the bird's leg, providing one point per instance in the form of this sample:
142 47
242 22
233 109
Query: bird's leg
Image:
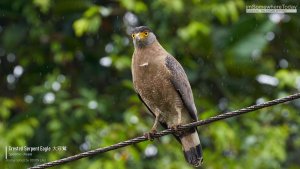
175 126
154 127
179 117
153 130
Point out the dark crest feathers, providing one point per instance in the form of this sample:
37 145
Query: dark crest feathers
140 29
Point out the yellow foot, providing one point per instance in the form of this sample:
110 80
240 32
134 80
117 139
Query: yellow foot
176 130
175 127
150 135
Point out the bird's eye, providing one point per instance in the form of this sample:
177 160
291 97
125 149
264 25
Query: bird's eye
133 36
146 33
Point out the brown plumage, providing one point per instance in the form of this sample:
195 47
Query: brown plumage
163 87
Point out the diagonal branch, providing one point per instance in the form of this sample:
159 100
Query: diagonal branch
169 131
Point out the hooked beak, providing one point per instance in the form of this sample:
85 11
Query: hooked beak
139 36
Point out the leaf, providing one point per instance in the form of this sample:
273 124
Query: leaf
193 29
44 5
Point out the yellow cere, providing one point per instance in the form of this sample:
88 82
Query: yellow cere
142 35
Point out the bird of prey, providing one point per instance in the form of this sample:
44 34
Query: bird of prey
163 87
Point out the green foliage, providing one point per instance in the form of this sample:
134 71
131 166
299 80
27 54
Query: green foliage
90 22
66 81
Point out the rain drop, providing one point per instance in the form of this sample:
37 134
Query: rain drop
260 100
270 36
134 119
92 104
250 140
267 79
28 99
150 151
105 61
18 71
109 48
56 86
125 41
283 63
11 57
276 17
105 11
61 78
256 54
11 79
130 19
49 98
223 103
85 146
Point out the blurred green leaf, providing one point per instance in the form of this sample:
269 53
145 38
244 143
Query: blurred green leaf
65 80
193 29
44 5
89 23
134 5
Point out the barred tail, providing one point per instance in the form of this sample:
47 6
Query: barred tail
192 148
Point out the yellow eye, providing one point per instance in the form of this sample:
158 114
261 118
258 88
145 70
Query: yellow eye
146 33
133 36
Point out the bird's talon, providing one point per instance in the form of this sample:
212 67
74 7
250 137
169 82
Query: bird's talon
153 131
175 128
150 135
147 135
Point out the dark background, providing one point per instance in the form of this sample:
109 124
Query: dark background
65 80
